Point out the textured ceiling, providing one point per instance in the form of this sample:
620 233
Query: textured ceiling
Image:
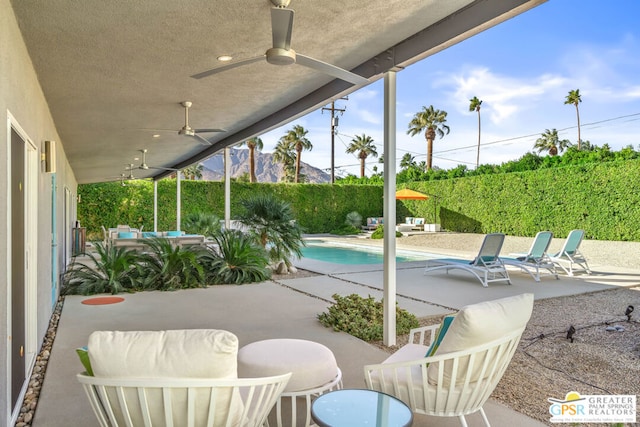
114 73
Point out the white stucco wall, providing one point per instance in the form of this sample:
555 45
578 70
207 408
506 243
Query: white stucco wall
22 97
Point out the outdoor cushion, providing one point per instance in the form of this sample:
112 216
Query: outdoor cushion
83 354
147 234
418 221
174 233
126 235
195 353
481 323
440 333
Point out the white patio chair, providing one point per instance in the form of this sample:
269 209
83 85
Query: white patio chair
536 260
182 401
176 377
570 256
460 373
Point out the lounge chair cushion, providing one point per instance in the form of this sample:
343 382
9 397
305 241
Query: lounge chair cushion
195 353
174 233
126 235
481 323
147 234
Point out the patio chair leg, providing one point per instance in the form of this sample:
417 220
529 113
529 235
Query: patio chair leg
484 417
463 421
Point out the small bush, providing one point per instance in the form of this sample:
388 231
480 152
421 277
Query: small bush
378 233
346 230
363 317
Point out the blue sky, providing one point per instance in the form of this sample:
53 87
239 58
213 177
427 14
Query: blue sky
522 70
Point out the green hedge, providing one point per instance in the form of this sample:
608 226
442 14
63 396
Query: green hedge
602 198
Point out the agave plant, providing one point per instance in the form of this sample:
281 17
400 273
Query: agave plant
165 267
237 260
272 223
354 219
201 223
111 270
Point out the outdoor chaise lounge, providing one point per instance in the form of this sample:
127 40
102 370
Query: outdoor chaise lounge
536 260
486 267
452 372
569 256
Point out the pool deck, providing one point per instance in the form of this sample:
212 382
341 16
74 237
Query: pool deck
287 308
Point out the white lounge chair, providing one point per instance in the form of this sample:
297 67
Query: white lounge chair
464 369
569 256
536 259
182 378
486 267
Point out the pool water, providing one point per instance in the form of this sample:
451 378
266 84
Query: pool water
349 255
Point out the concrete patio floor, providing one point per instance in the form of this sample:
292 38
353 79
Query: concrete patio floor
288 309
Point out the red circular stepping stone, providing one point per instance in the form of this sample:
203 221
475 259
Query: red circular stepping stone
103 300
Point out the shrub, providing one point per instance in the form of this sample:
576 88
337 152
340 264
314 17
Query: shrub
237 260
112 270
166 267
346 230
378 233
363 317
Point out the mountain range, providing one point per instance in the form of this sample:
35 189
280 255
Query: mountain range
266 170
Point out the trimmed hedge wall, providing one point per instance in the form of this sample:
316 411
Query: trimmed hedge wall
317 207
603 199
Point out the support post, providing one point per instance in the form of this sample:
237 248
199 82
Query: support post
389 243
227 188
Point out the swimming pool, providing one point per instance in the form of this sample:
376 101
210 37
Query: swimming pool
352 254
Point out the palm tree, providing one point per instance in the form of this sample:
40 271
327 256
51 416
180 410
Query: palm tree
475 106
298 138
432 121
193 172
550 142
407 161
272 224
363 144
284 154
574 98
253 144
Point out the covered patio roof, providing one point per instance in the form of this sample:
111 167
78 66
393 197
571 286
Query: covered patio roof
115 75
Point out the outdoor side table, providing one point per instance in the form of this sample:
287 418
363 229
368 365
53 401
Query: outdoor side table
355 407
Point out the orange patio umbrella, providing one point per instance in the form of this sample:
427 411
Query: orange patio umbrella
406 194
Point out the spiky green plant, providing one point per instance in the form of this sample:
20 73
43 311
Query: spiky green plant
165 267
237 260
110 270
272 223
354 219
206 224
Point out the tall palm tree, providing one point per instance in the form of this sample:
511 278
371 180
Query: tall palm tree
253 144
193 172
284 153
407 161
475 106
298 137
574 98
550 142
362 144
431 121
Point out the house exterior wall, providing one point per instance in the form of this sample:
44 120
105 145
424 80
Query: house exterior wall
21 97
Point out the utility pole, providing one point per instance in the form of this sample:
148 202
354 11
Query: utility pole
334 125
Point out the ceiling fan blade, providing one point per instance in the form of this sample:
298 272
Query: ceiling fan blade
282 27
208 130
201 139
228 67
331 70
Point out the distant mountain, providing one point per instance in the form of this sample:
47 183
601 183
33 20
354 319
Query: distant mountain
266 170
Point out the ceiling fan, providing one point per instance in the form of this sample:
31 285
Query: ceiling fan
281 52
145 166
188 130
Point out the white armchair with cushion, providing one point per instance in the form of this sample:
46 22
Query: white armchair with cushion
179 377
454 368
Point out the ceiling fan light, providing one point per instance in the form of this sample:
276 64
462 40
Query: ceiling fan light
224 58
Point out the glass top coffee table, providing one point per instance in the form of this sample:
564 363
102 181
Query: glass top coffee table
353 407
